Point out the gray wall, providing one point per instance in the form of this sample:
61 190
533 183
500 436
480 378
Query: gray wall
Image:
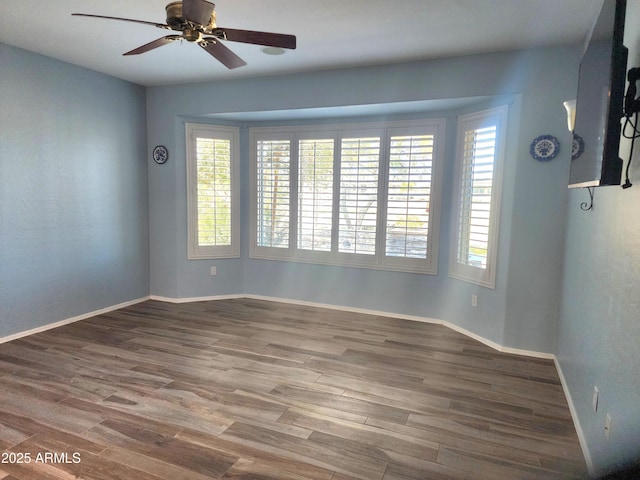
520 313
73 191
599 326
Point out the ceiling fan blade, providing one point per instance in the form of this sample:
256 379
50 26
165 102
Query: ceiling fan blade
216 49
197 11
155 44
154 24
257 38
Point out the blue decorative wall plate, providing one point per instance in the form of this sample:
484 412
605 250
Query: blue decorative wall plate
545 148
577 147
160 154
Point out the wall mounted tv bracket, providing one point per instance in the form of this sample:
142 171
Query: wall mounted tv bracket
631 109
631 103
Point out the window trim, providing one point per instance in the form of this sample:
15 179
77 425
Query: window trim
194 250
485 277
434 126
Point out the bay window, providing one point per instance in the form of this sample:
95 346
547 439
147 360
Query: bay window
362 195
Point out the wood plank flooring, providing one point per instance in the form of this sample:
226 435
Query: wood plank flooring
247 389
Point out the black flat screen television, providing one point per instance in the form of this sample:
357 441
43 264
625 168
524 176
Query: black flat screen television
600 101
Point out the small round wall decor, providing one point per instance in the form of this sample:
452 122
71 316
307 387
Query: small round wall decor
545 148
160 154
577 146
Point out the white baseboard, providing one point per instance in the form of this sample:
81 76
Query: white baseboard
576 421
67 321
194 299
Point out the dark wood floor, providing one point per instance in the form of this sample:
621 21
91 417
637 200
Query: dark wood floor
248 389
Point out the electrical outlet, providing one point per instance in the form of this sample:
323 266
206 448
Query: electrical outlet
607 427
594 399
213 271
474 300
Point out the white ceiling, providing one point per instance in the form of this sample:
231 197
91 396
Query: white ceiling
330 33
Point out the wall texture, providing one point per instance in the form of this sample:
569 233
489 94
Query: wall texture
73 191
599 324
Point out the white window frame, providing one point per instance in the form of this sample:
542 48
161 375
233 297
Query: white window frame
385 130
196 251
474 274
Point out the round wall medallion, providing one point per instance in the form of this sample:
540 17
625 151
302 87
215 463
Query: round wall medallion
545 148
577 147
160 154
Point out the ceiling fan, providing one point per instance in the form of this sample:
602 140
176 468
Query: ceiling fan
196 19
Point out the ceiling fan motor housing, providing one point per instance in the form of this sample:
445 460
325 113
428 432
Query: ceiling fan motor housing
177 22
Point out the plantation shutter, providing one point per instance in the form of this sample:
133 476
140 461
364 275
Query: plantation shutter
409 193
365 195
212 191
315 194
213 165
479 154
272 189
359 166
